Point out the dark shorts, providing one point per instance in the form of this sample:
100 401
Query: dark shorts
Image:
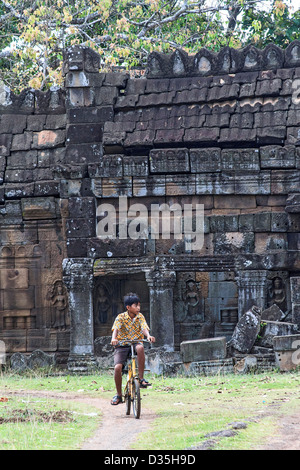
121 354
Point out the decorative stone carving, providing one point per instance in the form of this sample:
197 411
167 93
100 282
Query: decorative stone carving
204 62
272 57
59 301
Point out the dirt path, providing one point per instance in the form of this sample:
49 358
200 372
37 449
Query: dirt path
288 436
116 432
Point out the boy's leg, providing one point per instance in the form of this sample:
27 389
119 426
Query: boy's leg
118 378
141 360
120 356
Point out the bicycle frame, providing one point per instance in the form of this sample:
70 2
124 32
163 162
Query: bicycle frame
132 370
132 387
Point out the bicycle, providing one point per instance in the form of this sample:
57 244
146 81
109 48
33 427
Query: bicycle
132 392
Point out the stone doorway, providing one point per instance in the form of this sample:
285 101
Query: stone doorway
108 297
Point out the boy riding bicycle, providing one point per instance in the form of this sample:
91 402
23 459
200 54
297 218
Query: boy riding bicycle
130 325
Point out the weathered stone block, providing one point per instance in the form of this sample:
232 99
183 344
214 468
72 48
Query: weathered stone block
295 290
109 166
81 58
36 122
149 186
203 160
279 222
278 157
271 329
169 161
215 183
135 166
105 95
91 114
115 187
287 351
80 97
14 278
246 331
38 208
21 141
252 182
22 160
48 139
82 79
205 134
80 228
203 349
272 313
5 144
139 138
180 185
12 124
262 222
109 248
19 299
268 87
240 159
82 207
230 135
293 204
84 133
233 243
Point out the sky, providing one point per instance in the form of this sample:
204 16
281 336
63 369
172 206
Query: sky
295 4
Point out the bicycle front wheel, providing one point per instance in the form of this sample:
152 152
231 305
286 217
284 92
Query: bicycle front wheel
136 403
127 400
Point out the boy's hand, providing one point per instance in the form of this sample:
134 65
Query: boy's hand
151 339
114 342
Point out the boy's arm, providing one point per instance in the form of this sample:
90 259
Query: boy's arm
146 333
114 340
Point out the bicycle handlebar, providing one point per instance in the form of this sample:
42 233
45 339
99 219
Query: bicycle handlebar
134 341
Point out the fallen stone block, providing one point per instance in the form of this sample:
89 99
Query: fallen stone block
287 351
273 313
203 349
246 331
270 329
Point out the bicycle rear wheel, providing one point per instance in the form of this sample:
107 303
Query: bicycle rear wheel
136 403
127 400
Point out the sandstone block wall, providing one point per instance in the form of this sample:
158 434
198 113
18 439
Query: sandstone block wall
221 130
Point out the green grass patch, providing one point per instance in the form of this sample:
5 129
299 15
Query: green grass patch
188 409
28 423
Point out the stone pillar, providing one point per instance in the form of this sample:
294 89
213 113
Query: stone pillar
252 290
78 278
295 299
161 284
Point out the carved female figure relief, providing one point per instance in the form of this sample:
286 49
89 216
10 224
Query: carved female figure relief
277 294
103 304
193 301
59 301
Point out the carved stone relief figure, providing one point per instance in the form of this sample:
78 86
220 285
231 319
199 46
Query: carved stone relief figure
277 294
192 298
59 302
102 304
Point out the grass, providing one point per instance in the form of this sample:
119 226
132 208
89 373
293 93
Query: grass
187 409
42 424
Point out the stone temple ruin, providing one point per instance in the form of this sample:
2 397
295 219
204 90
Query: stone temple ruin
221 130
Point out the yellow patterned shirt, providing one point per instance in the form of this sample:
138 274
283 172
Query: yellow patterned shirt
129 329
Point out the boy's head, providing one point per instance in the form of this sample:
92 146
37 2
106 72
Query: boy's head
131 299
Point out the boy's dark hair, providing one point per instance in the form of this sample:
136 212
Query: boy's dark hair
130 299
